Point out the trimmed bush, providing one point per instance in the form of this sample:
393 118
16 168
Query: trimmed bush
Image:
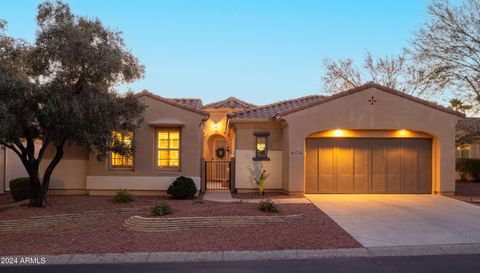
160 210
182 188
20 188
123 196
267 206
468 168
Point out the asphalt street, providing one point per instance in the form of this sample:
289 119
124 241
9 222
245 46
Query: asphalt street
411 264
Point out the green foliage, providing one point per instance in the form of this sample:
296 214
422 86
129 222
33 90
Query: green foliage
61 89
123 196
459 105
468 167
182 188
160 210
20 188
267 206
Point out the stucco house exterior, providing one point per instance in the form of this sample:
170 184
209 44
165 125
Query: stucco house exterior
471 127
370 139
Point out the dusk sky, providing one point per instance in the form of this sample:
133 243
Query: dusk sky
259 51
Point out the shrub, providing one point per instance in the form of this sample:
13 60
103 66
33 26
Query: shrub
123 196
20 188
160 210
468 167
267 206
182 188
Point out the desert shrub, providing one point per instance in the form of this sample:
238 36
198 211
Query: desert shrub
267 206
182 188
123 196
20 188
160 210
468 167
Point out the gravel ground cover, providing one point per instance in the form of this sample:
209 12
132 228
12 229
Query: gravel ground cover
107 234
468 192
6 198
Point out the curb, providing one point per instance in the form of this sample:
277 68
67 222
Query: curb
228 256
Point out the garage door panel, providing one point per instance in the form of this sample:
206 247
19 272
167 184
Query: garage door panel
326 165
349 165
409 166
392 152
377 166
425 165
344 165
360 162
311 165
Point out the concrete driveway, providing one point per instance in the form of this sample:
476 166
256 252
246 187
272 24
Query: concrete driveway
402 219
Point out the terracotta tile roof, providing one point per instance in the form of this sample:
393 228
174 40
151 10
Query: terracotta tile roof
195 103
230 103
379 87
470 124
272 110
187 104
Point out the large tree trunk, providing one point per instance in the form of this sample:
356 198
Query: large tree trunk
36 189
40 190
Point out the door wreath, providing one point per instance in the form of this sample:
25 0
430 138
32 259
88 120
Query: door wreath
220 152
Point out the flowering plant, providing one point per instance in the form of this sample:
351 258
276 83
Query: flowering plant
261 182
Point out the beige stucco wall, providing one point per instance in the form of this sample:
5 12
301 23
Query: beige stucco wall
390 112
247 169
144 175
71 171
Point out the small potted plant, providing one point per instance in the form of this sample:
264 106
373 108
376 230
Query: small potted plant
261 182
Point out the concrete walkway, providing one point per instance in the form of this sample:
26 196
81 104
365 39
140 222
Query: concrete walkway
226 197
224 256
402 219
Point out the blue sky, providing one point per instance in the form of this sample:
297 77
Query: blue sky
260 51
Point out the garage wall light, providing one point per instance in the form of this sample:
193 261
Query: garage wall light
338 133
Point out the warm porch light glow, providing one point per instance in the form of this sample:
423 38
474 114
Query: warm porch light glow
403 133
338 133
215 126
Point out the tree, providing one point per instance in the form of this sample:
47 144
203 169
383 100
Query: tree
447 48
392 71
61 89
459 105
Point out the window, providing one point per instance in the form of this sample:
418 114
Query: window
463 151
261 146
168 149
118 160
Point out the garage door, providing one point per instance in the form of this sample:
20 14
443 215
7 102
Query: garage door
362 165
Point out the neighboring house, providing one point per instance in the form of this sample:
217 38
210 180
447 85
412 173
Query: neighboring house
471 149
370 139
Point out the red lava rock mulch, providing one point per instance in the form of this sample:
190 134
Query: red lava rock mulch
256 195
107 234
6 198
466 191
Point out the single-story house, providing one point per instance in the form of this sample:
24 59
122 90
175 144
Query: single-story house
471 148
369 139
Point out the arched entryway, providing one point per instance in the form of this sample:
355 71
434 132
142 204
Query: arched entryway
368 161
217 163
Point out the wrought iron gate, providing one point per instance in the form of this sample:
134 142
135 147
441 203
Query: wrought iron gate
217 175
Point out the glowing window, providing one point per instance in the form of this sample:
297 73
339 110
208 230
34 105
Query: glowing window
463 151
168 148
261 146
118 160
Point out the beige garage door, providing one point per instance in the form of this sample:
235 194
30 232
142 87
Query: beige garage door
362 165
